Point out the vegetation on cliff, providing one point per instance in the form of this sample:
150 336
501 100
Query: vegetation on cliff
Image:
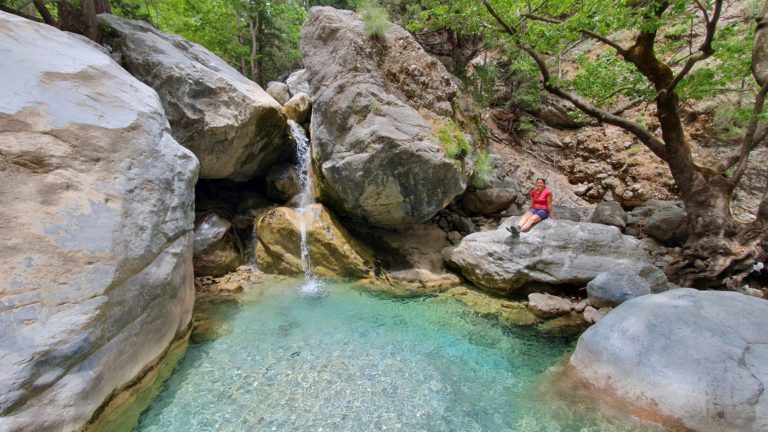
662 54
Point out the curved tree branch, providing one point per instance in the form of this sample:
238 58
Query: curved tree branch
750 140
643 134
621 50
705 49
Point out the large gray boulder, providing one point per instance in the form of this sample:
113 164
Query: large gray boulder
554 252
297 82
610 213
693 360
231 124
490 201
378 157
96 229
668 225
612 289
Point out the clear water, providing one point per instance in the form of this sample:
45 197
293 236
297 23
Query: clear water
350 361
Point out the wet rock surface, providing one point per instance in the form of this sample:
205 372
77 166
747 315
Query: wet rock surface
333 251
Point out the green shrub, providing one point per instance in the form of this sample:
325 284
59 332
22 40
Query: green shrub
632 151
483 169
375 19
452 138
375 108
525 126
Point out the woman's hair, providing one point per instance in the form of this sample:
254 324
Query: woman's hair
542 180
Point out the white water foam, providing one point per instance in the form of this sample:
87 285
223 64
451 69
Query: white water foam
312 286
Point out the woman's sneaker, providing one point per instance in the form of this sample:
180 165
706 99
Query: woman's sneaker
514 231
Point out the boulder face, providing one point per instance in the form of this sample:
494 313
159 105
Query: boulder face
490 201
695 360
554 252
376 110
96 229
612 289
216 250
609 213
333 251
231 124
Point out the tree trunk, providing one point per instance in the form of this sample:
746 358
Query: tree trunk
253 27
102 6
79 18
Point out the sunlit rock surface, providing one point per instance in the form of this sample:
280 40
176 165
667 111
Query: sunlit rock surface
333 251
376 109
96 228
695 360
231 124
553 252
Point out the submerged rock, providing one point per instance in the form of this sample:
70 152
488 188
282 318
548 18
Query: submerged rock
231 124
554 252
507 312
333 251
690 359
97 241
376 110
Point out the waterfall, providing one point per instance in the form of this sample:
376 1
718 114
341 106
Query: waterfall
306 199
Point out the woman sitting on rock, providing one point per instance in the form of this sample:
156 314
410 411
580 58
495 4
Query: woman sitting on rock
541 208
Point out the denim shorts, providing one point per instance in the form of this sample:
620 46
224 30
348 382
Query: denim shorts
542 213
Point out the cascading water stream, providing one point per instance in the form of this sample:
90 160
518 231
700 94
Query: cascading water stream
306 199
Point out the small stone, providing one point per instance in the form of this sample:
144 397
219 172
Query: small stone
699 264
454 237
580 306
546 305
592 315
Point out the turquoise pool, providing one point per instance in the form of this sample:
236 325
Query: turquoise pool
347 360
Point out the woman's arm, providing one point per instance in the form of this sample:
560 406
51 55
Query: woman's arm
549 205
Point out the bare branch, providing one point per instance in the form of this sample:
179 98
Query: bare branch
541 18
705 49
703 10
750 142
650 140
585 32
629 105
615 92
44 12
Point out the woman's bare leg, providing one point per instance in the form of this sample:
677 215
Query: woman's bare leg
523 220
533 220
